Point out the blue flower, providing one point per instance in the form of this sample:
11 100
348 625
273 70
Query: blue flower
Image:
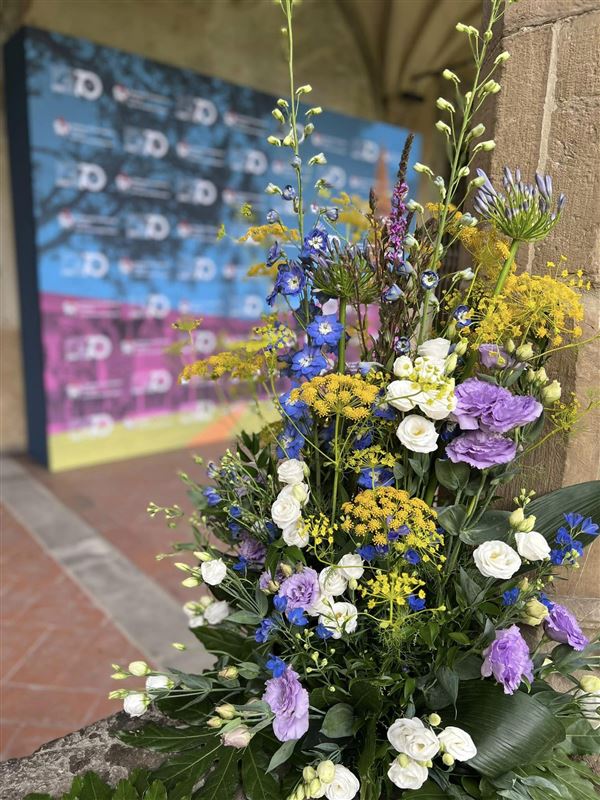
325 330
429 279
392 293
272 530
288 192
294 409
263 631
402 345
276 665
234 527
510 596
589 527
212 470
297 617
272 216
363 441
241 564
373 477
332 214
573 519
546 601
280 603
235 511
315 243
323 632
382 549
416 603
308 362
461 315
290 443
412 556
367 552
395 533
213 498
563 537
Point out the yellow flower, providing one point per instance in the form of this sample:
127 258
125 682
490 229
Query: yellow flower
347 395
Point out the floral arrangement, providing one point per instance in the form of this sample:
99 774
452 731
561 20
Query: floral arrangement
379 629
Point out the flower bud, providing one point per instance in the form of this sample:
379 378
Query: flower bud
274 140
318 159
308 128
272 189
500 59
524 352
308 773
283 103
305 89
183 567
541 376
534 612
215 722
202 555
491 87
516 518
443 128
239 737
527 525
191 582
486 146
326 771
468 29
315 110
476 183
463 172
551 393
590 683
276 113
139 668
478 130
523 584
314 788
466 275
444 105
119 676
226 711
286 570
288 140
422 169
229 673
448 75
434 719
299 794
509 346
118 694
412 205
461 347
448 759
450 364
353 584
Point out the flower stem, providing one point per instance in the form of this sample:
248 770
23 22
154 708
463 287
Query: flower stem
505 271
341 366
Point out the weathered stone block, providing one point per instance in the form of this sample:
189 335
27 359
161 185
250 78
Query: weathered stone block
538 12
578 68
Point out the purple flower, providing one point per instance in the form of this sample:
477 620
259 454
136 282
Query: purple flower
325 330
429 279
288 700
507 659
481 450
510 412
251 550
490 407
561 626
461 315
494 357
473 398
301 589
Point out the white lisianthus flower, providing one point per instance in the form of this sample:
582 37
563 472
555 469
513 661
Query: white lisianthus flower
400 729
196 622
333 581
352 566
216 612
457 743
496 559
417 434
213 571
158 682
299 491
407 775
403 394
435 349
239 737
344 786
340 618
294 535
436 408
403 367
532 546
135 704
285 511
291 471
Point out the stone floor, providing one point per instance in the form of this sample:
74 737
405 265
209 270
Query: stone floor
79 581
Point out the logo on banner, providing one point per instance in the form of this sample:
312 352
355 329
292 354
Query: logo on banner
154 227
154 381
94 264
84 176
77 82
335 177
92 347
205 342
366 150
145 142
196 109
157 306
197 191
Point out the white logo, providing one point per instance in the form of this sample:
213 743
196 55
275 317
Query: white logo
335 177
100 425
205 342
256 162
86 84
120 93
94 347
148 226
204 269
197 109
90 177
61 126
367 150
157 306
253 306
94 264
159 381
146 142
197 191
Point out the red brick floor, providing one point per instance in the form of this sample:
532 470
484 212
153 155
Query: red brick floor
56 648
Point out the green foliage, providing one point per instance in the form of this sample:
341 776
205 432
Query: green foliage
91 787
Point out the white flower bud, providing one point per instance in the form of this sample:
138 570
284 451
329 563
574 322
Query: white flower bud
551 393
412 205
443 128
524 352
461 347
276 113
422 169
272 189
500 59
274 140
463 172
478 130
283 103
308 128
444 105
475 183
491 87
486 146
318 159
139 668
314 111
305 89
448 75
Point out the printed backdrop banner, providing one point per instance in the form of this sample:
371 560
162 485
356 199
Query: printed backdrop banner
123 171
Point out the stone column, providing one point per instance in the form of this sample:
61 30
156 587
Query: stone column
547 117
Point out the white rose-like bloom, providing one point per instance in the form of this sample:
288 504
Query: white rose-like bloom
157 682
411 737
435 408
291 471
589 703
411 776
532 546
135 704
299 491
333 581
285 511
196 622
216 612
417 434
340 618
457 743
403 367
344 786
294 536
352 566
213 571
435 349
403 394
400 729
496 559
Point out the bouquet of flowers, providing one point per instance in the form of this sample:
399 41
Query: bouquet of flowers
379 629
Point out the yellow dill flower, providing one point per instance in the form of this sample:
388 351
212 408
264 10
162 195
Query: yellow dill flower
374 456
348 395
391 589
262 233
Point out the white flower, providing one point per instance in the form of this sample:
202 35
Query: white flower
457 743
403 394
299 491
291 471
409 776
157 682
436 408
340 618
295 536
239 737
344 786
496 559
213 571
417 434
400 729
589 703
216 612
403 367
333 581
532 546
135 704
196 622
411 737
352 566
285 511
435 349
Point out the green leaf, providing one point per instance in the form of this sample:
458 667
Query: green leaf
452 476
156 791
223 781
281 755
223 642
258 783
125 790
94 788
582 739
583 498
448 680
338 721
366 697
37 796
492 525
245 618
508 730
248 670
452 519
166 739
429 791
191 765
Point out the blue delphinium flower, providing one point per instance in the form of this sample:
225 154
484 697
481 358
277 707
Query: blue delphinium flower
288 192
510 596
241 564
290 442
363 441
545 600
395 533
297 617
416 603
274 254
272 216
589 527
308 363
276 666
573 519
461 315
392 293
429 279
412 556
263 631
290 282
315 243
325 330
235 512
213 498
374 477
280 603
367 552
294 409
323 632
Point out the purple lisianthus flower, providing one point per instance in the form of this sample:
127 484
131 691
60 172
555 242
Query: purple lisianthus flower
251 550
288 700
510 412
493 356
561 626
301 589
481 449
507 659
473 398
490 407
325 330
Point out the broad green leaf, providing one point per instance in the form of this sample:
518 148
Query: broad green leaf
223 781
583 498
338 721
156 791
258 783
223 642
448 680
452 476
429 791
366 697
190 765
94 788
245 618
492 525
125 790
582 739
193 681
37 796
248 670
508 730
166 739
281 755
452 519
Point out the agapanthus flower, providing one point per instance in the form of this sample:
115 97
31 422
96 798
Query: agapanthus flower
561 626
325 330
308 362
288 701
429 279
524 212
507 659
481 449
